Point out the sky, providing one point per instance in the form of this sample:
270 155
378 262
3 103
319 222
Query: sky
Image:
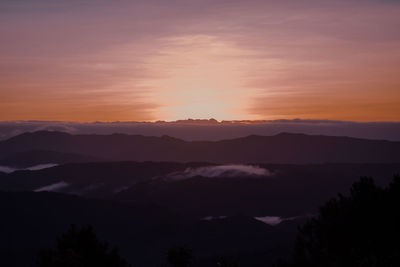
149 60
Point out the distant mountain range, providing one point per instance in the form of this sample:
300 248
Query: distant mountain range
59 147
211 130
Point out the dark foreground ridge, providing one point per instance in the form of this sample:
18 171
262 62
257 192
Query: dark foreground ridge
359 229
31 222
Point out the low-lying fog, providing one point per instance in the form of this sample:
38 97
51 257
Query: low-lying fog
53 187
8 169
270 220
230 170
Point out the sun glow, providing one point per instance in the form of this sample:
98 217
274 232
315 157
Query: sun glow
198 77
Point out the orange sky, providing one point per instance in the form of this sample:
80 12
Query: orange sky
168 60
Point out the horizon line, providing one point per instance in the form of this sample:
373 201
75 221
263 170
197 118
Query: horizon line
210 121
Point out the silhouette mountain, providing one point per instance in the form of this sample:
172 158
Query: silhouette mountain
281 148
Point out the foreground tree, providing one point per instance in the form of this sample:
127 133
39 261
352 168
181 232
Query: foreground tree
227 263
180 256
362 229
79 247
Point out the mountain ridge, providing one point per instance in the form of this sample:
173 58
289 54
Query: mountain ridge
281 148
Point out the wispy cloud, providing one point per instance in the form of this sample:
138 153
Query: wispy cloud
8 169
233 170
53 187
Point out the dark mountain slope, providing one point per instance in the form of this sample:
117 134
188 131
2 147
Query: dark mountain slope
291 190
30 158
95 179
285 190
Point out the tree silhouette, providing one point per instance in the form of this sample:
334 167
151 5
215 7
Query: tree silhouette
226 263
180 256
360 230
79 247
